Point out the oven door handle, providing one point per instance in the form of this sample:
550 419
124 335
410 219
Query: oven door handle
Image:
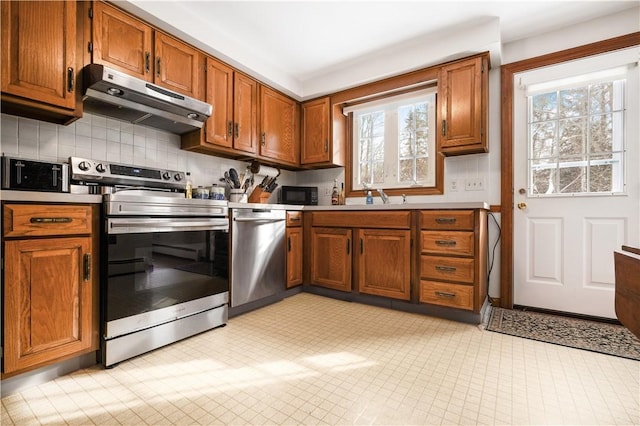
133 226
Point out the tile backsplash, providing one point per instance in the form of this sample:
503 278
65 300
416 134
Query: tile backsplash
100 138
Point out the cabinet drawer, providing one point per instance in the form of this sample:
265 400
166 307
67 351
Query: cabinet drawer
447 268
294 218
447 219
448 242
445 294
30 220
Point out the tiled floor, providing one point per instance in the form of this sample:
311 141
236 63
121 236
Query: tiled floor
313 360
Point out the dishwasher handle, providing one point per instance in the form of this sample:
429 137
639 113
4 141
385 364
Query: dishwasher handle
257 219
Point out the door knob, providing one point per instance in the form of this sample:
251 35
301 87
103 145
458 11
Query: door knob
522 206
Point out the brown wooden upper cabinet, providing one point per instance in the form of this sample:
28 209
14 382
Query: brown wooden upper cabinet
463 98
40 60
234 96
279 130
126 44
322 140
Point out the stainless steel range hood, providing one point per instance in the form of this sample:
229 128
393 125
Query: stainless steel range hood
114 94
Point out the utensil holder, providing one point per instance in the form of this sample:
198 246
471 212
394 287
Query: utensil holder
237 196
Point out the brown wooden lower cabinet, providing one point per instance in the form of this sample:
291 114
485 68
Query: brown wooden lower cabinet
50 285
378 259
294 248
384 263
331 258
447 266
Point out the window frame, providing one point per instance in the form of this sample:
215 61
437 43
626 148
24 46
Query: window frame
416 80
390 106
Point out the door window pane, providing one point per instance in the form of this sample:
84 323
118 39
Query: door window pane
576 143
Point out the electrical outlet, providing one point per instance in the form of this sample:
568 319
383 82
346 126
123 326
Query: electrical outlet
453 185
474 184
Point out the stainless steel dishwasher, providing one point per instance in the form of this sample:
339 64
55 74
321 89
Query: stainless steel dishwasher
257 254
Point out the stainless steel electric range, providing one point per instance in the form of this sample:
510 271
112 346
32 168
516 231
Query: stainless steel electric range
164 261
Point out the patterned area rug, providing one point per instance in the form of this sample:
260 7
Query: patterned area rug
610 339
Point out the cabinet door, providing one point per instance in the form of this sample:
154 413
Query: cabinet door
47 301
122 42
314 146
245 114
220 95
278 116
39 51
463 88
178 66
294 256
384 263
331 258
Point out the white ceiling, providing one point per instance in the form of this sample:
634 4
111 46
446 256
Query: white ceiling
296 44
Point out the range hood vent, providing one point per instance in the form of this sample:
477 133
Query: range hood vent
114 94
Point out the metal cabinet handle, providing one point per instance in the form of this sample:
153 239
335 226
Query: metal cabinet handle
326 146
87 267
446 243
237 130
147 61
289 244
70 80
50 220
230 128
447 220
445 294
445 268
263 138
444 127
158 66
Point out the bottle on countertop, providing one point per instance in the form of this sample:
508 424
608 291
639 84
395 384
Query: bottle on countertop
335 195
369 197
341 200
188 187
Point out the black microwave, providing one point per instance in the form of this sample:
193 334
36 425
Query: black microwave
30 175
299 195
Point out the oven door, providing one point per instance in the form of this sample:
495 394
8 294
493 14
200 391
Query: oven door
162 270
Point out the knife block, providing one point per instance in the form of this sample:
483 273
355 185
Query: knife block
259 196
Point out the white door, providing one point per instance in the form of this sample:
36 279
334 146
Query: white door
576 181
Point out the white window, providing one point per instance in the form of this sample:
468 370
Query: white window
576 135
394 141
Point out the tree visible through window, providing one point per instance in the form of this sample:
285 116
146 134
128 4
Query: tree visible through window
576 137
394 142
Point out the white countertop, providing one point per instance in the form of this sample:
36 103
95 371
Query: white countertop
444 205
59 197
49 197
371 207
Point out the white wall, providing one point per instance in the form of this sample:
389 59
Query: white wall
99 138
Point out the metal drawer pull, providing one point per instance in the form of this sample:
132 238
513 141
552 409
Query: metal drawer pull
445 294
445 268
51 220
445 220
294 219
448 243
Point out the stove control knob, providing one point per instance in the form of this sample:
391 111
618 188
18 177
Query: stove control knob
84 166
166 176
100 168
178 177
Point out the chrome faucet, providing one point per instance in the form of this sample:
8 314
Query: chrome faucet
385 197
